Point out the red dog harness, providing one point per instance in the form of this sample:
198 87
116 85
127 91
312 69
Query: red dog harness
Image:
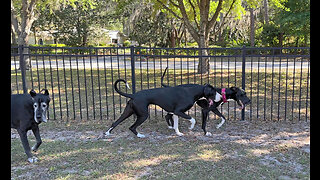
224 97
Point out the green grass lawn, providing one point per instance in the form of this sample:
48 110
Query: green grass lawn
239 150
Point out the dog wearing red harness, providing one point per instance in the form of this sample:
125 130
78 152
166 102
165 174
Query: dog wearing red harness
222 96
226 94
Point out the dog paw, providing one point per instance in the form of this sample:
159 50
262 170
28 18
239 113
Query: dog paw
107 133
218 126
208 134
180 134
170 127
140 135
33 159
193 122
34 149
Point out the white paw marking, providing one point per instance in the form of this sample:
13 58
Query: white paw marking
140 135
170 127
108 132
221 123
208 134
193 122
32 159
179 133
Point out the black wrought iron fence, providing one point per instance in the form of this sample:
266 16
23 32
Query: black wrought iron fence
80 80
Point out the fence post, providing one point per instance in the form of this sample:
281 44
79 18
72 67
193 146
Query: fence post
243 76
23 69
133 74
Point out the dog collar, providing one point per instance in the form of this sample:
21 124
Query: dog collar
224 97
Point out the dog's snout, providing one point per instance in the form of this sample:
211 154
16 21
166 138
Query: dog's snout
38 116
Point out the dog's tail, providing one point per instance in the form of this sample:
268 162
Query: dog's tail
162 84
122 93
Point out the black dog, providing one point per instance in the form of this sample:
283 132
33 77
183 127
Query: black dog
27 112
221 96
226 94
175 100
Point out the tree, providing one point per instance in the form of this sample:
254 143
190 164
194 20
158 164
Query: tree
199 17
25 12
291 20
294 20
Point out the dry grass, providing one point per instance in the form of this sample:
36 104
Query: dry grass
246 150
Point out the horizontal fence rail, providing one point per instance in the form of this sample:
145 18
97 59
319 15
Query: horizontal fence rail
80 79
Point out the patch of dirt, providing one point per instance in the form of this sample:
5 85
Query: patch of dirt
261 138
253 133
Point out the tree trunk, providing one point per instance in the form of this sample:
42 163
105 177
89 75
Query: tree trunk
266 11
23 40
203 66
13 36
252 30
27 17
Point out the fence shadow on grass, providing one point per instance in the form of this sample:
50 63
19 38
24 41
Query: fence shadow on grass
246 150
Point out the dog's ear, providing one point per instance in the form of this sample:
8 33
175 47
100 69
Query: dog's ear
32 93
235 89
208 90
46 92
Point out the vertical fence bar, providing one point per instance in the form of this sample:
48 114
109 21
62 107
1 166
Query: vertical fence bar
133 73
23 69
243 76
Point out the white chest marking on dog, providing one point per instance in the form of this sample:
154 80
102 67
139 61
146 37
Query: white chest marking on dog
221 123
35 108
176 124
218 97
44 112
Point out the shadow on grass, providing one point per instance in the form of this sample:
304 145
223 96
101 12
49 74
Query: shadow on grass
244 150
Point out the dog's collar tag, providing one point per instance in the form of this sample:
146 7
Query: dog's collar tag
224 97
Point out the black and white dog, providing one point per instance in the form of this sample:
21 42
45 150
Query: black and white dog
221 96
27 112
175 100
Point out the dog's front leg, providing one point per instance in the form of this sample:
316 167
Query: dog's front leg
25 144
36 133
223 119
176 124
205 113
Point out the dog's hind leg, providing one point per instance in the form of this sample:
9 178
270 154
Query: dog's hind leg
176 125
185 116
128 111
169 120
139 121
